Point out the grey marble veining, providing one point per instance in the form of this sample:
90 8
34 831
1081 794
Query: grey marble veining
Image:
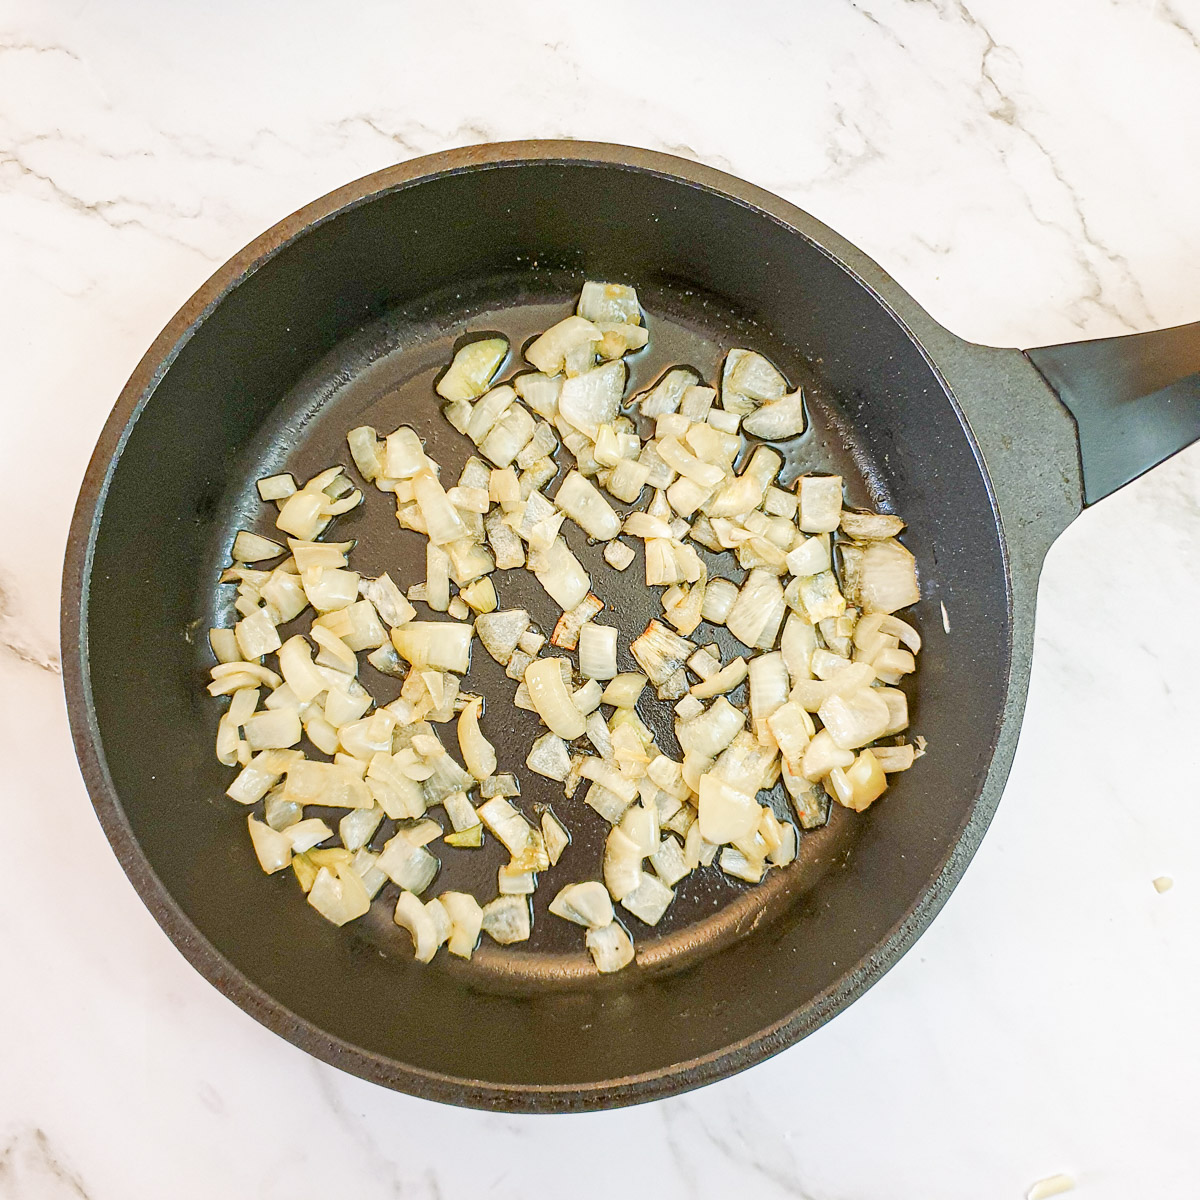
1029 172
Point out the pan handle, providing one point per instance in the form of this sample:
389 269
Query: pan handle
1135 400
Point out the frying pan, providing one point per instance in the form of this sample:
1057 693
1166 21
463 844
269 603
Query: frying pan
343 313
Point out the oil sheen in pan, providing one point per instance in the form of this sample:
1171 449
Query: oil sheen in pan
383 376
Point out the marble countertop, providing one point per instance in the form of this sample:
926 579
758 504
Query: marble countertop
1027 172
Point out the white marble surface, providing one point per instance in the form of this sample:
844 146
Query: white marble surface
1030 172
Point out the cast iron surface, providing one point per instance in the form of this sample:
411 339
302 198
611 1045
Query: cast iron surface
343 313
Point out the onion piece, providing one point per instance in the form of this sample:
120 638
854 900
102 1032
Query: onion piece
256 635
339 897
894 758
560 574
472 369
506 920
609 302
224 645
869 526
740 866
660 652
478 753
887 578
466 921
251 547
823 755
442 520
711 732
622 864
441 645
624 690
855 720
566 631
611 948
726 813
500 631
860 784
584 504
276 487
301 516
593 398
747 380
811 557
598 651
649 900
273 849
275 729
667 393
411 914
388 600
551 700
726 679
820 503
778 420
758 610
549 351
367 452
549 756
586 904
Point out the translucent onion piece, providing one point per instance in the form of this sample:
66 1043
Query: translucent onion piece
869 526
820 503
747 380
726 813
555 835
366 450
273 849
624 690
781 419
548 352
276 487
611 948
472 369
593 398
478 753
725 680
649 900
855 720
442 645
860 784
301 515
660 652
586 904
887 578
549 756
466 921
442 520
339 898
251 547
560 574
500 631
598 651
256 635
551 700
506 920
410 914
584 504
622 864
610 302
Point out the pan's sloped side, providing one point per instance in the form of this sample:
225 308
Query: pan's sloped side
509 218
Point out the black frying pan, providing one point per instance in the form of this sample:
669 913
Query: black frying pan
342 314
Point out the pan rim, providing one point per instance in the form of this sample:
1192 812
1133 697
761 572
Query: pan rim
203 955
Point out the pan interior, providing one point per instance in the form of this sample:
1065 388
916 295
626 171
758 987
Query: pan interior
349 324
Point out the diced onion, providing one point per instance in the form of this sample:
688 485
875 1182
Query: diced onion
551 700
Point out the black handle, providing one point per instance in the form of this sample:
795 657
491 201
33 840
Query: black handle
1135 400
